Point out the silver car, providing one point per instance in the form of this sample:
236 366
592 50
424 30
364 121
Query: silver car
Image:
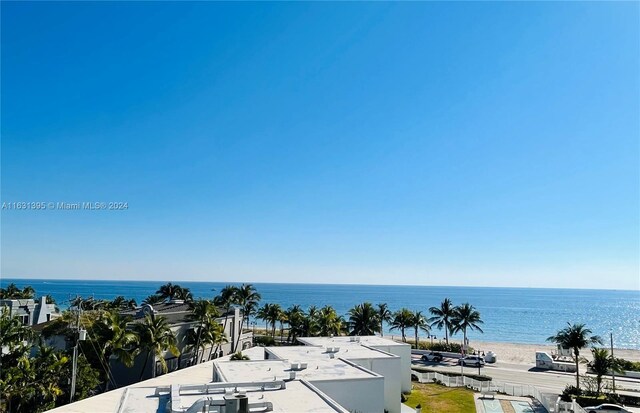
474 361
607 408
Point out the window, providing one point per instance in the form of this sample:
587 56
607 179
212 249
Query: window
24 319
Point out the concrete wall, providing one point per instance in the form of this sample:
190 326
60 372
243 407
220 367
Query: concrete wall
355 395
389 368
404 352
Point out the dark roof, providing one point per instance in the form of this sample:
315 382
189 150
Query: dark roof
173 312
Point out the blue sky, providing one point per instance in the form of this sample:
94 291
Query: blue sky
492 144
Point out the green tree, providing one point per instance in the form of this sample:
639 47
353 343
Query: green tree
295 317
202 311
329 322
238 356
402 319
576 337
172 292
363 320
247 298
155 338
419 322
602 364
442 317
466 317
384 316
227 298
115 339
153 299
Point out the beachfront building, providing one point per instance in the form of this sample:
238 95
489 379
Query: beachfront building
194 389
274 379
177 312
383 345
365 374
29 311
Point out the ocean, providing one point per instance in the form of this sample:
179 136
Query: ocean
516 315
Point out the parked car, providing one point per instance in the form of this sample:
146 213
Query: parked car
432 357
607 408
474 361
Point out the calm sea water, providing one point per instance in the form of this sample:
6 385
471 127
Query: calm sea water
519 315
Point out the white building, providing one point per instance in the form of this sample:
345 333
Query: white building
352 376
29 311
402 350
192 390
353 387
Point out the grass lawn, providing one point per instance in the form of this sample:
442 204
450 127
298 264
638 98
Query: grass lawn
435 398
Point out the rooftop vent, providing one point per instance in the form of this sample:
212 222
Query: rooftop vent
333 349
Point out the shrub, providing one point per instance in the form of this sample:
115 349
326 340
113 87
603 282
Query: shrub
568 392
628 364
264 340
451 347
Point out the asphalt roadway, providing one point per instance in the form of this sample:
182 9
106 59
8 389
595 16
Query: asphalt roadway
546 381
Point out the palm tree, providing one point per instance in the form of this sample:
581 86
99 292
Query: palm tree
384 316
247 298
273 316
466 317
363 320
442 317
295 318
13 333
156 338
49 367
213 335
602 364
202 311
226 299
263 314
13 292
110 330
419 322
174 291
576 337
153 299
238 357
329 323
402 320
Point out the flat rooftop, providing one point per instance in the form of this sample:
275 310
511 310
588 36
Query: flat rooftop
347 340
307 353
271 370
151 396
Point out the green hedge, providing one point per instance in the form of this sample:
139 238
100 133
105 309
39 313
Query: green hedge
479 377
451 347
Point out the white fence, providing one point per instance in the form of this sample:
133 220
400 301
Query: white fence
550 401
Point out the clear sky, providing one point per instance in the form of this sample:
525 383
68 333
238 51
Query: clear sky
492 144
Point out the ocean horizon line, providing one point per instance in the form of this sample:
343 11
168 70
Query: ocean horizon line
318 283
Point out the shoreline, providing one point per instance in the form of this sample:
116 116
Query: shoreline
519 353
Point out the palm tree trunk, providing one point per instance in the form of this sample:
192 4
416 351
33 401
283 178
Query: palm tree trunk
144 366
239 334
224 329
576 354
153 366
416 338
446 332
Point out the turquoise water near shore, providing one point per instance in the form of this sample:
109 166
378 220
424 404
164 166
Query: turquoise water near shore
517 315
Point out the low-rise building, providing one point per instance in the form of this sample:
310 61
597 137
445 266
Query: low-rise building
30 311
193 390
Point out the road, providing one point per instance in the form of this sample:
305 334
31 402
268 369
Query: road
544 380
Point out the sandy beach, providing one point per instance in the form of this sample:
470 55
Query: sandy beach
526 353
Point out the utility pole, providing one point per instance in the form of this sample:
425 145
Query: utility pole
613 359
74 364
